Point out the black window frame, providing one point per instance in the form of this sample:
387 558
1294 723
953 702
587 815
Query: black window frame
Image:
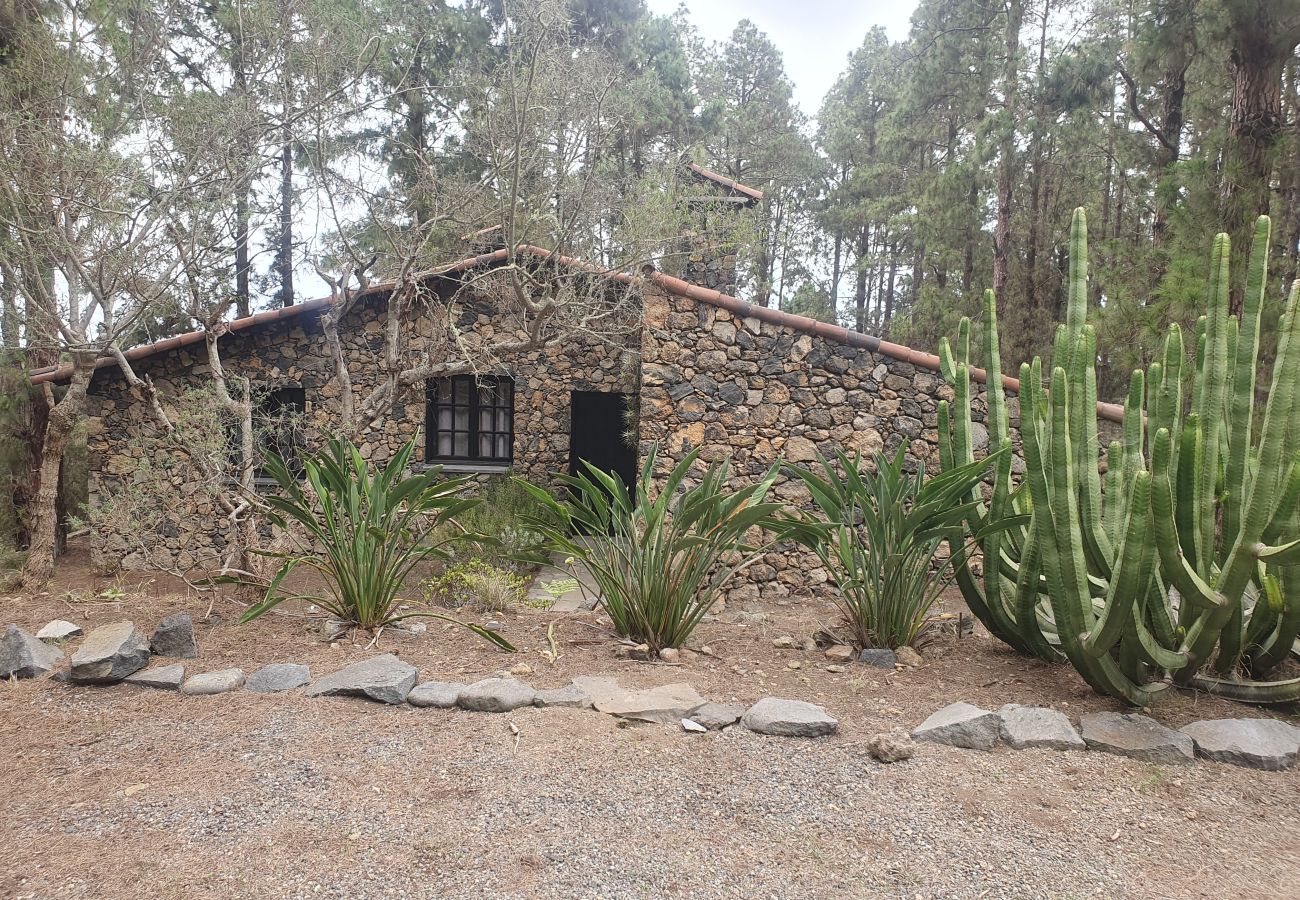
434 404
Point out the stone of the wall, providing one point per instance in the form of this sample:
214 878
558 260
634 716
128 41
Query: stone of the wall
749 391
292 352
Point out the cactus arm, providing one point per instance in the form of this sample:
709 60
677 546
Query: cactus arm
1190 459
1171 390
1132 429
1175 566
1265 614
1261 692
1150 650
946 461
1026 602
996 399
1132 574
1243 387
1114 499
1274 649
1212 397
1076 308
946 367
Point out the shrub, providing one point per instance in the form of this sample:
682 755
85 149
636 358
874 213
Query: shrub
883 529
499 519
372 526
659 561
476 584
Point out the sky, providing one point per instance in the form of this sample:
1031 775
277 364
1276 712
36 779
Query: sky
815 36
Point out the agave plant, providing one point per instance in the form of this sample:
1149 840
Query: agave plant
884 528
370 529
660 560
1181 565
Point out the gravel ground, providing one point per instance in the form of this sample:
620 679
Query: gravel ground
128 792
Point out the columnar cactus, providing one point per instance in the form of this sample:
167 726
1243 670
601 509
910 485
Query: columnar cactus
1182 564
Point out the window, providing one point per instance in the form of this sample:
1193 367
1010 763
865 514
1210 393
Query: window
278 426
470 419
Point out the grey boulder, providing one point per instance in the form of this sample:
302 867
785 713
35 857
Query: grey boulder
278 677
1268 744
571 696
1136 736
667 704
878 657
385 678
109 654
496 695
436 694
59 630
174 637
961 725
167 678
222 681
716 716
1035 726
788 718
23 656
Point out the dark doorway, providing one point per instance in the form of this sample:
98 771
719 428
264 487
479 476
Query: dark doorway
596 434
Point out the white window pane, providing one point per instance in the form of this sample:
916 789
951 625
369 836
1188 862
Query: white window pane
462 445
503 420
444 445
462 419
503 447
444 419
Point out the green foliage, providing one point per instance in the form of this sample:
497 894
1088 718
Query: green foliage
661 561
499 519
884 527
1201 502
476 584
372 528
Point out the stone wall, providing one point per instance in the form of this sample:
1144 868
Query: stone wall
747 391
191 534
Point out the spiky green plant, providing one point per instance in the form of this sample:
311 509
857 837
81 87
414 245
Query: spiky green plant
660 560
1182 565
883 529
367 529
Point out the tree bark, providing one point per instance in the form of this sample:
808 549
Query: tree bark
1006 154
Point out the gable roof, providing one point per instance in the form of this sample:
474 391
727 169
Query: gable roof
835 333
750 194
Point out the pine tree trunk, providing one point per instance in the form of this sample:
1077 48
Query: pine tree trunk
1006 154
44 511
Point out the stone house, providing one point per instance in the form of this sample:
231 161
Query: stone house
702 368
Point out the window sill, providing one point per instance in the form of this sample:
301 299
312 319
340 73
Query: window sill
467 468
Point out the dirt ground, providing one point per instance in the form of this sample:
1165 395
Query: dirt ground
122 791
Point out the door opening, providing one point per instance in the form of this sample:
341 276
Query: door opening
597 427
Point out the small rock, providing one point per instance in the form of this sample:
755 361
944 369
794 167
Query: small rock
385 678
568 696
58 630
793 664
436 694
788 718
908 657
1136 736
664 705
278 677
167 678
417 627
496 695
961 725
694 727
24 656
521 669
835 669
492 625
670 654
890 747
220 682
785 642
109 654
174 637
808 645
716 716
1268 744
839 653
1031 726
879 657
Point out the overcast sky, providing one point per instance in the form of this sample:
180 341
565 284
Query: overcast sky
815 36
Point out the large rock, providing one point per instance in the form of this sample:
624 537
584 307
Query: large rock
59 630
496 695
788 718
24 656
436 694
384 678
716 716
109 654
167 678
879 657
1036 726
1136 736
278 677
569 696
664 705
174 637
1268 744
222 681
961 725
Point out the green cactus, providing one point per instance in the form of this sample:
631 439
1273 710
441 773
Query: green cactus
1182 564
